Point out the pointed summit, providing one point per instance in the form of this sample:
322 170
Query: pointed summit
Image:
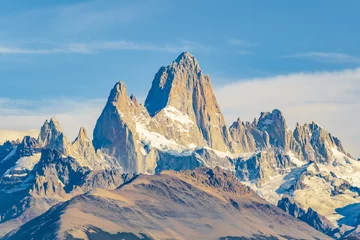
55 124
185 55
118 94
82 136
115 131
187 61
52 137
84 152
174 82
182 85
242 137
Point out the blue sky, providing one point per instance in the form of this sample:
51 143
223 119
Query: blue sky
63 51
88 45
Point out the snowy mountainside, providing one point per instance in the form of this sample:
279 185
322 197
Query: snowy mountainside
181 127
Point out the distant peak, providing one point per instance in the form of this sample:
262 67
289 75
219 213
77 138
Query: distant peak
82 136
187 60
53 123
184 55
316 124
83 133
54 120
276 113
120 86
118 93
238 123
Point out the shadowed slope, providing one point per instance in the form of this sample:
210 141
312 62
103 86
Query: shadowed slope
200 204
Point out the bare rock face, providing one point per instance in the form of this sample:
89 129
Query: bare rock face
51 137
181 127
242 137
310 216
316 143
115 131
83 151
183 86
262 166
280 136
302 135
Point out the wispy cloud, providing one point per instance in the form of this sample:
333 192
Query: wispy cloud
242 47
326 57
94 47
329 98
239 42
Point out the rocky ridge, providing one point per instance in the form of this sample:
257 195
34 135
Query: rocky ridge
201 204
181 127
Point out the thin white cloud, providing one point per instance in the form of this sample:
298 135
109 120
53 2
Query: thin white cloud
239 42
326 57
329 98
89 48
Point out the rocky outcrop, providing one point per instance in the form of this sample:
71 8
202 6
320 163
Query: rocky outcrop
19 162
83 151
261 167
6 149
310 216
51 137
316 143
242 137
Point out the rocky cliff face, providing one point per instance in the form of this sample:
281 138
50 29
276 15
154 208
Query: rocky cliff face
310 216
184 87
242 137
181 127
116 133
51 137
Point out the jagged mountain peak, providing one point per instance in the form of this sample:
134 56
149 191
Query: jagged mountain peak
276 114
187 61
54 124
82 135
182 86
176 83
185 55
237 123
51 136
118 92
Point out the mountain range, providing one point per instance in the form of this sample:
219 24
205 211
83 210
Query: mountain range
171 168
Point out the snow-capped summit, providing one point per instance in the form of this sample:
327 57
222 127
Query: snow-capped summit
181 127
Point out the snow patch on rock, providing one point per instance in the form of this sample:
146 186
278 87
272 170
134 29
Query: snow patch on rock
23 166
